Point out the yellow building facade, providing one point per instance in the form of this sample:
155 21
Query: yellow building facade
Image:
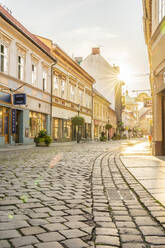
102 115
154 30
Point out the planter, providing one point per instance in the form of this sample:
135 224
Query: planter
41 144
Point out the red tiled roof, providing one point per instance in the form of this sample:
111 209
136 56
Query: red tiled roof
9 18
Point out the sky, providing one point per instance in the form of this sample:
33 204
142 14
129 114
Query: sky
78 25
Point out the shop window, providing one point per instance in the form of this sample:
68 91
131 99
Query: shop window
37 123
3 58
20 67
55 128
67 129
34 73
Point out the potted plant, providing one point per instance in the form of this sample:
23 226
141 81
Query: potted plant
78 121
108 127
42 139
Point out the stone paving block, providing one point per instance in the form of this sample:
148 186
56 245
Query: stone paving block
106 224
145 221
130 238
75 218
32 230
74 211
8 234
76 224
56 219
134 245
72 233
107 240
124 224
49 245
57 213
59 207
75 243
23 241
151 230
102 218
14 224
107 231
42 210
29 205
128 231
51 236
155 240
55 227
38 215
106 246
37 222
4 244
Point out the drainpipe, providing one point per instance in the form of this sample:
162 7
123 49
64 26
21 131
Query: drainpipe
51 103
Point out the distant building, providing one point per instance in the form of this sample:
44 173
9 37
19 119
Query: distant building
107 82
154 31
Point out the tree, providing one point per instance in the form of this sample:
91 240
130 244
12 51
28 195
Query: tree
108 127
78 121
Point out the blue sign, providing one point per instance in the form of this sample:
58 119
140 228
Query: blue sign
14 120
19 99
5 97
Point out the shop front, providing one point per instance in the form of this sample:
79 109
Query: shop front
61 129
37 122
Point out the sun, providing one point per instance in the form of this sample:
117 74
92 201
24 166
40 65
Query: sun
124 76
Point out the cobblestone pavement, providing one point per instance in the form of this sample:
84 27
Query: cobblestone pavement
75 196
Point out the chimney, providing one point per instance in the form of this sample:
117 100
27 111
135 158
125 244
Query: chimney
95 50
78 60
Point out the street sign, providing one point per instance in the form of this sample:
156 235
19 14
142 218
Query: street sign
19 99
5 97
13 120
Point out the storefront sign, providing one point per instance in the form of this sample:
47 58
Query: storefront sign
19 99
13 120
5 97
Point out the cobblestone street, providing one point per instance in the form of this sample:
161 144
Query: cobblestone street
75 196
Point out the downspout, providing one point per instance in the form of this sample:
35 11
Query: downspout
51 102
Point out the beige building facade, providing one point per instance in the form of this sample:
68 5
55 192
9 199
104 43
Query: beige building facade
154 30
25 69
71 95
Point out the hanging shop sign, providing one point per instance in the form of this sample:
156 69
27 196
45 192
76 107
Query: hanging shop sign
19 99
5 97
13 120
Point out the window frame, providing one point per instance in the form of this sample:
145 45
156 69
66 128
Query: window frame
5 57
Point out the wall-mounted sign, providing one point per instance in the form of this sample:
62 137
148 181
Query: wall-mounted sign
5 97
13 120
19 99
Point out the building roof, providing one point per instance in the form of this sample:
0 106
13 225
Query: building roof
99 94
17 25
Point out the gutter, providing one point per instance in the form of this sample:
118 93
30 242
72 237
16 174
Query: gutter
51 103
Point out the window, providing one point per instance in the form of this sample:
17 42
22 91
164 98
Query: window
55 83
161 9
44 80
37 123
67 129
4 58
34 73
72 92
62 88
20 67
81 97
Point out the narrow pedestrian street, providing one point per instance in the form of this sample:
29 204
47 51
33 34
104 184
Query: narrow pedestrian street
77 196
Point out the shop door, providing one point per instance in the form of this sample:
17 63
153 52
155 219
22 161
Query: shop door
17 135
6 127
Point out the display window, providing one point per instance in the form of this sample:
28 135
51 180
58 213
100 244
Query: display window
37 123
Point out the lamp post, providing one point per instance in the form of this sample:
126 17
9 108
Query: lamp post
78 110
108 131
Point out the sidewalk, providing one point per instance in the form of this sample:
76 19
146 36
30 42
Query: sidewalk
147 169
